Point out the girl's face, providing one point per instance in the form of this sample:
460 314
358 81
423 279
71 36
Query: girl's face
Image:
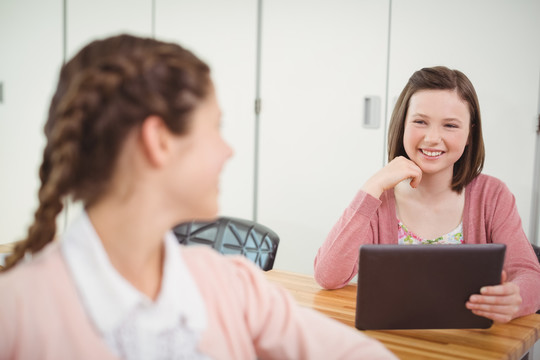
436 130
201 154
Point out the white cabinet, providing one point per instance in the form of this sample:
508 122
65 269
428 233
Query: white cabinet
31 55
90 20
320 59
497 45
223 34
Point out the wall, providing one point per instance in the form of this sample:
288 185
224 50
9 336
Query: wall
31 52
319 60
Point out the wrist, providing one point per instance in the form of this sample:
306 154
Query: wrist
372 189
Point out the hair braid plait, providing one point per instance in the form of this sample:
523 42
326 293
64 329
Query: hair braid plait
109 88
61 157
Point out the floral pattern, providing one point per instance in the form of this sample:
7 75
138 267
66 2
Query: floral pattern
406 237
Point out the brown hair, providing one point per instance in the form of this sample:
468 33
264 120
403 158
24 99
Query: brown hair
470 164
109 88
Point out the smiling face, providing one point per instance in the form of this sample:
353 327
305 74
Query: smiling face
436 130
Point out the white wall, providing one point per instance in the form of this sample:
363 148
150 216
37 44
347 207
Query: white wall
319 59
496 43
225 38
30 58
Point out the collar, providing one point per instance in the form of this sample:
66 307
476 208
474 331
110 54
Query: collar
109 298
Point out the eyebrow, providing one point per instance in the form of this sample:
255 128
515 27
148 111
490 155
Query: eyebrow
445 119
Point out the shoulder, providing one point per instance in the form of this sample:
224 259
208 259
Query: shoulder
29 275
490 195
487 187
484 180
31 290
208 267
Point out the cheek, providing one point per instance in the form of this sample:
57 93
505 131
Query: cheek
460 141
410 139
211 159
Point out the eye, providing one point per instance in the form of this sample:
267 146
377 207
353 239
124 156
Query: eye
451 126
418 121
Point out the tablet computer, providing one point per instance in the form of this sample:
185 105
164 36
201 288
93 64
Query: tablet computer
424 286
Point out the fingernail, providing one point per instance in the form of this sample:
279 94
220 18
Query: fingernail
483 290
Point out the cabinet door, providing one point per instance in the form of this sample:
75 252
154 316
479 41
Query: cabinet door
496 44
90 20
320 59
223 34
31 43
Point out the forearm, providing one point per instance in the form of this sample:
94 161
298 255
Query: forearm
336 262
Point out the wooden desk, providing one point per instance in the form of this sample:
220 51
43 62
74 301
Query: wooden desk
6 249
501 341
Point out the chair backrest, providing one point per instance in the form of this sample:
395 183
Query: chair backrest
537 252
536 249
230 235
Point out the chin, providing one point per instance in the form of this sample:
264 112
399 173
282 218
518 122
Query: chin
208 213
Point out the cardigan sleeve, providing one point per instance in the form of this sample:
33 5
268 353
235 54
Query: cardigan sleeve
336 262
283 330
8 317
521 263
250 317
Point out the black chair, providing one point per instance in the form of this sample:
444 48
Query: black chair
537 252
536 249
230 236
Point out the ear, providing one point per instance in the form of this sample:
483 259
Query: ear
155 138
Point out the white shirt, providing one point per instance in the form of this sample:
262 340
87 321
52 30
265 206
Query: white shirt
132 325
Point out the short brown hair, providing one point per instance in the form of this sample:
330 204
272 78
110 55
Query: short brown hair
470 164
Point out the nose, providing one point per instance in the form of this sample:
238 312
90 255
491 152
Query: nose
229 152
433 135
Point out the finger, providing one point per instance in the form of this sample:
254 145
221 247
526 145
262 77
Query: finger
415 180
496 308
415 173
503 277
506 310
495 300
501 318
500 290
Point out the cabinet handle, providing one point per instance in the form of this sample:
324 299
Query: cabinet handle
372 112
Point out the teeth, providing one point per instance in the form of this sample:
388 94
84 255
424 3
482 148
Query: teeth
432 153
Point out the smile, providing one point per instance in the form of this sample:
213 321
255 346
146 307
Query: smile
431 153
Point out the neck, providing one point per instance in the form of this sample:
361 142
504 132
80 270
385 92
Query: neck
433 186
132 229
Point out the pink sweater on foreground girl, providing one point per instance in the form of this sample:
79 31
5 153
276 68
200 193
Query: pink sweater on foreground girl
489 216
248 317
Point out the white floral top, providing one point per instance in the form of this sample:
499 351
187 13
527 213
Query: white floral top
406 237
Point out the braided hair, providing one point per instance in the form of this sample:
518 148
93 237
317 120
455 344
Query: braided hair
109 88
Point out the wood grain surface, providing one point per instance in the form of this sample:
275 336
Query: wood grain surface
501 341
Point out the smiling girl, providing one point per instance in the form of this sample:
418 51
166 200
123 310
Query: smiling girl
432 192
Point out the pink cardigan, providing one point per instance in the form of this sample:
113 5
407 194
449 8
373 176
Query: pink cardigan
490 216
41 315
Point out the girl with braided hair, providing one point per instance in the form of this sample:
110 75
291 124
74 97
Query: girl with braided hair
133 133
